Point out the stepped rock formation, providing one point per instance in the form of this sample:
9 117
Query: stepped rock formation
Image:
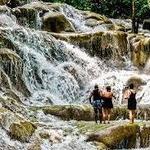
52 53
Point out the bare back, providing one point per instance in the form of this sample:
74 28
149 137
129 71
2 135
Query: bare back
107 94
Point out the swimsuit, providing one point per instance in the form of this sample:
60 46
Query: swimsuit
132 101
107 103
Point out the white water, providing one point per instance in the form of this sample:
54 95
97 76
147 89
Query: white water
56 72
78 20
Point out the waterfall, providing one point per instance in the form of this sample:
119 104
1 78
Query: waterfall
78 20
39 67
58 72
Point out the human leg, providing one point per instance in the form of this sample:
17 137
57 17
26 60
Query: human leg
96 114
130 115
104 110
109 114
133 116
100 115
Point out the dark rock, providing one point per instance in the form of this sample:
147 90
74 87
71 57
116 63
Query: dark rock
146 24
56 22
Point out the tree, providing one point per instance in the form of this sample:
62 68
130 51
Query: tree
134 22
140 11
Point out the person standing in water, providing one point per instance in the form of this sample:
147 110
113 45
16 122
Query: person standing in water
107 96
130 95
96 103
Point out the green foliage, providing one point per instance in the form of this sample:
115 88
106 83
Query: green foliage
111 8
142 9
80 4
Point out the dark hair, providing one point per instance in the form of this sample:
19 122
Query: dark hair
108 88
131 86
96 86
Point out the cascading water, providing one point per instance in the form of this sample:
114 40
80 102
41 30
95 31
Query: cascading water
78 20
57 72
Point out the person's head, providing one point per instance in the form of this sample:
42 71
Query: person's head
108 88
131 86
96 86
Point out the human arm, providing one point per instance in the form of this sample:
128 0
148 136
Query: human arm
126 94
90 97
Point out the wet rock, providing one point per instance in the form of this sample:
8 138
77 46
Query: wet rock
13 105
11 71
22 131
119 113
101 18
55 137
5 43
146 24
35 146
113 137
90 127
119 27
15 3
100 146
5 81
86 113
56 22
145 136
143 112
70 112
140 50
5 9
26 16
45 16
3 2
7 118
92 22
93 19
7 54
109 45
44 135
137 81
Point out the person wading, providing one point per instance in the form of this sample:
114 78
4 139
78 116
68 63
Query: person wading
107 96
96 103
130 95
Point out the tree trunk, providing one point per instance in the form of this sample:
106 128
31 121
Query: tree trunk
134 26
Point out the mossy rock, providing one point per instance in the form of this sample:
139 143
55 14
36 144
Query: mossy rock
44 135
71 112
11 72
119 113
110 45
90 127
5 80
6 43
145 136
26 16
100 146
35 146
15 3
119 27
98 17
56 22
3 2
114 137
140 50
91 42
8 54
22 131
137 81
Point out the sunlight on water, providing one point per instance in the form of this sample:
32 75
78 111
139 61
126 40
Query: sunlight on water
57 72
